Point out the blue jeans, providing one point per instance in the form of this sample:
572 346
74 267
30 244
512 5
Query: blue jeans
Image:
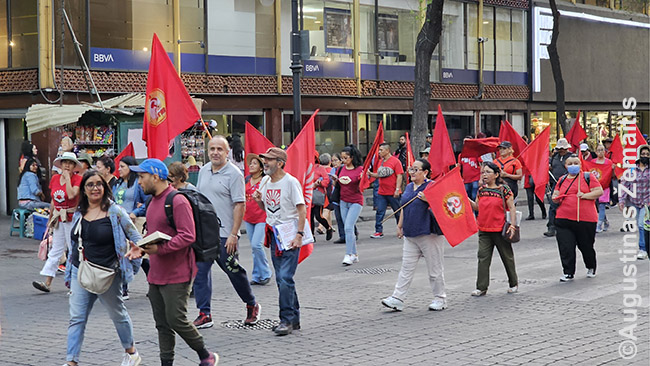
236 274
81 303
375 191
640 213
339 220
350 213
382 203
261 268
285 268
602 217
471 189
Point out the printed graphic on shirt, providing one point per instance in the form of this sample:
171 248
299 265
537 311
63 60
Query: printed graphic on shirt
59 196
119 196
385 171
454 205
471 162
272 200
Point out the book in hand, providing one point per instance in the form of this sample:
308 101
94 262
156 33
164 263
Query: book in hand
155 238
286 232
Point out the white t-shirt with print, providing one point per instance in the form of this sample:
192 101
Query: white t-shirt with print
281 198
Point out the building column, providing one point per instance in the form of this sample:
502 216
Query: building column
354 128
273 128
45 51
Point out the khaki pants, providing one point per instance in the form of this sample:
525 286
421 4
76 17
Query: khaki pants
486 243
431 247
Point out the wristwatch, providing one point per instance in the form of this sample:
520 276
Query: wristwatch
302 233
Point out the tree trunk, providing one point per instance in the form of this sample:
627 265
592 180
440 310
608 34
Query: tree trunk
426 43
557 70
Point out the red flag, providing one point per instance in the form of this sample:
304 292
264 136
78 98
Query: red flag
602 171
300 164
633 139
576 134
473 148
169 110
448 201
616 150
254 142
409 156
128 151
535 158
508 133
373 156
441 155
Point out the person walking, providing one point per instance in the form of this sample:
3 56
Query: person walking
556 170
321 182
335 201
255 221
105 230
64 188
576 217
351 201
172 265
511 169
390 180
603 201
531 198
641 187
223 184
422 238
178 176
30 193
492 199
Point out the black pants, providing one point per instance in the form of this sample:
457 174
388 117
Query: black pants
571 234
551 212
317 214
530 195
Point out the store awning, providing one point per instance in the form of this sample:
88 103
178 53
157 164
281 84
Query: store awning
40 117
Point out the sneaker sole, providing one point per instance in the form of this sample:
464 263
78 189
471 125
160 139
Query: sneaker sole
442 308
392 307
205 325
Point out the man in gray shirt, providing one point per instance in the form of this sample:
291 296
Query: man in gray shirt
223 184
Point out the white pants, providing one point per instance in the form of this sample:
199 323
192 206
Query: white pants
60 241
431 247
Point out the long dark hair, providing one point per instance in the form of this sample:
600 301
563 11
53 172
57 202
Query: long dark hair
130 161
28 163
83 198
237 148
495 168
354 154
27 149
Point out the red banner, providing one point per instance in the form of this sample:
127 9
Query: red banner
535 158
372 158
473 148
602 171
441 155
508 133
576 134
450 205
128 151
169 110
409 156
254 142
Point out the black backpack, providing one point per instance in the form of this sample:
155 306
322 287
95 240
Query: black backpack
206 222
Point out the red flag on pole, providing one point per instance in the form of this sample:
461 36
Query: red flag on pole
441 155
373 156
632 140
508 133
169 110
576 134
300 164
409 156
254 142
128 151
616 151
602 171
535 158
448 201
473 148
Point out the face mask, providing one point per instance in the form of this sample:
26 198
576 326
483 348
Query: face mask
644 160
573 169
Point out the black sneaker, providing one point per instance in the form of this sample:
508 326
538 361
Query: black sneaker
329 233
340 241
283 329
566 278
295 326
549 233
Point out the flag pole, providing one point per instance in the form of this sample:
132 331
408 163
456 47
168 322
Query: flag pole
578 216
399 209
207 128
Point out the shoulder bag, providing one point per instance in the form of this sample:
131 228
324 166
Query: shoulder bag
513 236
336 192
92 277
44 247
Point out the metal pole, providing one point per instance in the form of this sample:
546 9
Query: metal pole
377 39
296 68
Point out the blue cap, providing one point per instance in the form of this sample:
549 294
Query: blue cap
151 166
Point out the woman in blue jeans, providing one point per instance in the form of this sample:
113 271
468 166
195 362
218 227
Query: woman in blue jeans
104 228
255 220
351 201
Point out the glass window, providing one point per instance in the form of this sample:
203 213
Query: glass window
397 33
331 131
452 39
472 44
458 127
539 121
518 41
4 41
491 124
227 124
330 30
192 27
76 10
488 32
265 30
503 40
24 33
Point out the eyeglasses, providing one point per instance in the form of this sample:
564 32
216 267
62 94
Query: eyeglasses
91 186
413 169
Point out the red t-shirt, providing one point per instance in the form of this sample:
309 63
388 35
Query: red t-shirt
470 168
388 184
350 192
509 165
60 196
568 208
254 214
491 215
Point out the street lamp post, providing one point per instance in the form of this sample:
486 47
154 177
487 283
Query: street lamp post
296 68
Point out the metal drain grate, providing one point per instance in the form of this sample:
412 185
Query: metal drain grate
262 324
373 271
522 281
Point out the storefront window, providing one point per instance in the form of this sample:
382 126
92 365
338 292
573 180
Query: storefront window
4 41
458 126
452 39
331 131
24 33
539 121
491 124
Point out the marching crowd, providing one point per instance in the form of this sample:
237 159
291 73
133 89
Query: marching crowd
97 218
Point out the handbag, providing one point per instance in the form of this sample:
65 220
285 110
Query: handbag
91 276
318 198
336 192
513 236
44 247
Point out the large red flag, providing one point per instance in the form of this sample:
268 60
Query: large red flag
300 164
448 201
169 110
576 134
535 158
633 139
602 171
508 133
254 142
441 155
473 148
373 157
409 156
128 151
616 156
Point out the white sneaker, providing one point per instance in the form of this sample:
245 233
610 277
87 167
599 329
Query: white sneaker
513 290
393 303
347 260
642 255
355 258
438 304
131 359
591 273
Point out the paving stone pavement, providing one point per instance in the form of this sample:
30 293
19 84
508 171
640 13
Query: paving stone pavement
343 322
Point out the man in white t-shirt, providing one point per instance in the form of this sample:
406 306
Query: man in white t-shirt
280 195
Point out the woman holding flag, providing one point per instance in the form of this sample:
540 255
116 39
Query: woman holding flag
422 238
491 200
576 217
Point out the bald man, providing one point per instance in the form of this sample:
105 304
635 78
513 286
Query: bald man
223 184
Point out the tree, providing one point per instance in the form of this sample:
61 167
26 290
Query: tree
426 43
557 70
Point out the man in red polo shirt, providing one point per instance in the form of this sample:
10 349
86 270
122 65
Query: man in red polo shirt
390 180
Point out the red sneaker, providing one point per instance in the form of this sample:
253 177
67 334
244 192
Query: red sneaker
252 314
203 321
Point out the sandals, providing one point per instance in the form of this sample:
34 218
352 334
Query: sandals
478 292
40 286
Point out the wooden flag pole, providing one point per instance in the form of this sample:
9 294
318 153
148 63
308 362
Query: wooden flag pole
207 128
578 216
399 209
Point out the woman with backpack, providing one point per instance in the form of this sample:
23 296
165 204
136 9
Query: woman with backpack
575 219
